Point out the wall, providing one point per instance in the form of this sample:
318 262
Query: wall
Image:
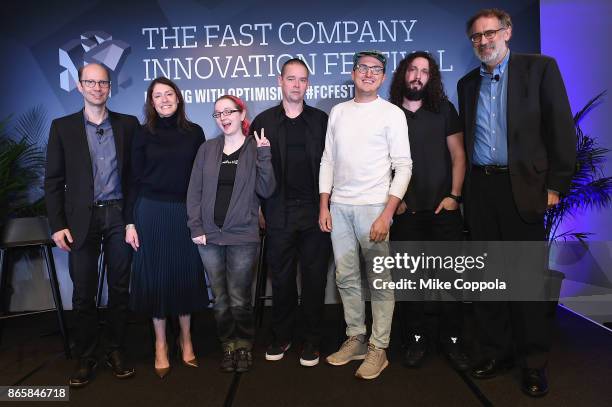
574 32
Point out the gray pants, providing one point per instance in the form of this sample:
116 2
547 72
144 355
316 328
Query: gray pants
351 230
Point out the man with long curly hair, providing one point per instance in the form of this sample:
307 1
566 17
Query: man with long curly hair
429 210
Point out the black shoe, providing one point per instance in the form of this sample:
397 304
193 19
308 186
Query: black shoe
228 363
416 352
244 360
310 355
114 360
276 350
490 368
83 373
534 382
455 354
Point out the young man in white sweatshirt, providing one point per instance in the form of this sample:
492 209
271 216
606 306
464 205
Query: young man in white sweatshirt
367 139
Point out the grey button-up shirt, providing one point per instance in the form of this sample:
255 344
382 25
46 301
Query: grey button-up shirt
101 140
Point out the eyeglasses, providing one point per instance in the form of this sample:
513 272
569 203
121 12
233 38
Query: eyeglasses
376 69
224 113
489 35
90 83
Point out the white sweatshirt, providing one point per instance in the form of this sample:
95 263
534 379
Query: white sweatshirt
364 142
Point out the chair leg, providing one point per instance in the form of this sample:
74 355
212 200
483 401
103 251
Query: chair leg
101 276
260 285
57 298
4 282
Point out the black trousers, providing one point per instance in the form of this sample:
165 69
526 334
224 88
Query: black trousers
427 226
107 227
506 328
301 241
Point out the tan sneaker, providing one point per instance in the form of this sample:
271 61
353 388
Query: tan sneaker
374 363
354 348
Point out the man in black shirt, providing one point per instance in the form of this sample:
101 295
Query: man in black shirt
297 136
430 209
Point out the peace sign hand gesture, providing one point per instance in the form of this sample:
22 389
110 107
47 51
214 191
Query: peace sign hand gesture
262 141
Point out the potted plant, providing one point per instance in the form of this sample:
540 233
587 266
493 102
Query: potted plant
589 189
22 161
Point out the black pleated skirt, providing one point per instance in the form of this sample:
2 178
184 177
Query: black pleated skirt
167 273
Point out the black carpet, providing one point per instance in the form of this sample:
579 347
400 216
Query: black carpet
580 372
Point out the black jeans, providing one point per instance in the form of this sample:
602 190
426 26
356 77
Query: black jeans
506 327
107 227
300 241
427 226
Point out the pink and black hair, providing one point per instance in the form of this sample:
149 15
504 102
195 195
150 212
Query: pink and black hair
240 105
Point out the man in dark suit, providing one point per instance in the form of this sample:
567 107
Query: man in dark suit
85 184
520 145
297 135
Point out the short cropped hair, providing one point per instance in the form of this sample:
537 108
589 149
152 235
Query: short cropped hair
295 61
501 15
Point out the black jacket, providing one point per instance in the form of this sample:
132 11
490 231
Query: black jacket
541 134
69 188
272 121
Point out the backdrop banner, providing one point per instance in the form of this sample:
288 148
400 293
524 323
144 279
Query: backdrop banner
212 48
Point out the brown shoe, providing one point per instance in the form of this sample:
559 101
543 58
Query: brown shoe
375 362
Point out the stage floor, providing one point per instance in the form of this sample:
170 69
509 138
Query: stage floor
580 372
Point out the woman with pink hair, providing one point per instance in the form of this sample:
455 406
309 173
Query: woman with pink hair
230 175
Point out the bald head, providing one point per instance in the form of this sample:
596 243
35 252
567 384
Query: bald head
94 85
94 69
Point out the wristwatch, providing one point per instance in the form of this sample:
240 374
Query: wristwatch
455 197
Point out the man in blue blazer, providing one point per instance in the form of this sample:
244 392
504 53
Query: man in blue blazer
520 146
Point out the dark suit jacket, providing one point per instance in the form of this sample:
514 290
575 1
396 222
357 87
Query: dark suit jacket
272 121
69 189
541 134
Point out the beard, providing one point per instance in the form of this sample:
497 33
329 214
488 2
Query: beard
485 59
415 94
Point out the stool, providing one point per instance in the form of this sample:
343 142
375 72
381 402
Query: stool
30 232
101 276
261 282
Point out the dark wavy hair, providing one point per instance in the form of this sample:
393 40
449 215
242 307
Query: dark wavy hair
241 106
151 115
434 89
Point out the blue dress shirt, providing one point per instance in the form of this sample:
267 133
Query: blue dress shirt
491 136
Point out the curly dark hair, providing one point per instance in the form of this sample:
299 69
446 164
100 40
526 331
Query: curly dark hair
434 89
150 113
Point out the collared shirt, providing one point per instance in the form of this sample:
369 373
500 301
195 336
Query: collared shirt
101 141
491 139
299 181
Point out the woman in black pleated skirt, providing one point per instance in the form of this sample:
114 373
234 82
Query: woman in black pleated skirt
167 274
